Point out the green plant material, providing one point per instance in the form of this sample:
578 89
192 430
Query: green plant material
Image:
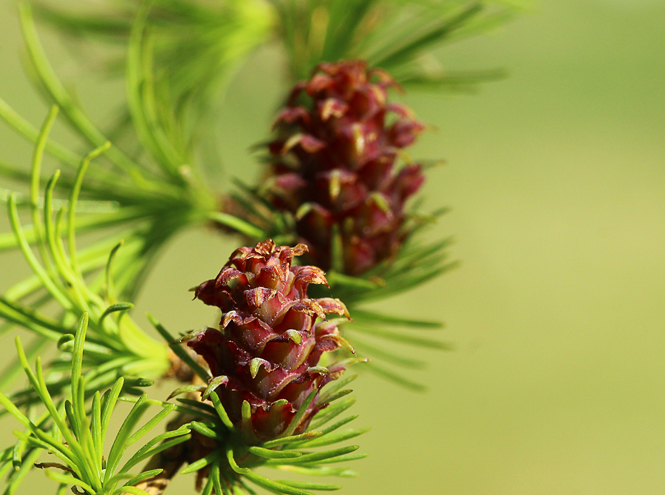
395 35
180 352
233 464
116 346
190 51
83 432
193 48
416 264
152 199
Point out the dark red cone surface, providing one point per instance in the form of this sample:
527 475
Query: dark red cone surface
334 165
272 336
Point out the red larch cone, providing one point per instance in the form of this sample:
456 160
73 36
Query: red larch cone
334 165
271 337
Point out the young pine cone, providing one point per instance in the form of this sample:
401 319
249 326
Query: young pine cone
271 338
333 165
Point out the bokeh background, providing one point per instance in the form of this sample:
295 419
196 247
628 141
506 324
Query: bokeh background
556 179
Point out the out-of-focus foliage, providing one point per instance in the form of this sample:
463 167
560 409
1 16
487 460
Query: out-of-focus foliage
196 46
193 48
395 35
116 346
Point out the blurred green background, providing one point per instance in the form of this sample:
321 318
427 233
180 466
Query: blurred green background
556 177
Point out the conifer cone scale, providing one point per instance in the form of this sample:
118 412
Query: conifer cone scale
271 337
334 165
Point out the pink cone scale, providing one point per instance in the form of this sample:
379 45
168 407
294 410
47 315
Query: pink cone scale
271 337
334 165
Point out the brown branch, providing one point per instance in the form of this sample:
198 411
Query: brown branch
44 465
